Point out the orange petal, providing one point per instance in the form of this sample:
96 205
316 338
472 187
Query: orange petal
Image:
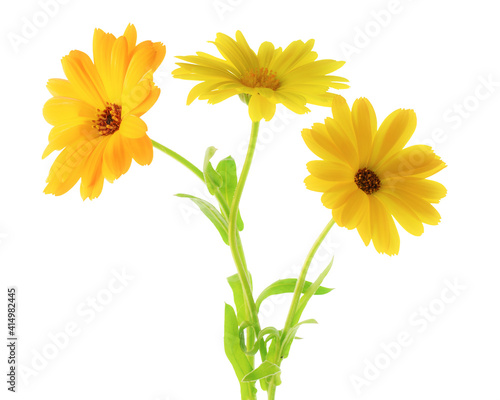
61 110
132 127
141 149
83 75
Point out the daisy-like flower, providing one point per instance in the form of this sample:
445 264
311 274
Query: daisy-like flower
96 112
367 176
292 77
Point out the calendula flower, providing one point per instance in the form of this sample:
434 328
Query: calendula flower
367 176
96 112
292 77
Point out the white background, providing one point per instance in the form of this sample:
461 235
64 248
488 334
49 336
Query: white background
160 338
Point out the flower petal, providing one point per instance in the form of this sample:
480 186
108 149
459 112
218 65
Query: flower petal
60 110
355 209
61 88
259 107
392 136
84 78
384 232
364 121
403 214
141 149
337 196
330 171
132 127
117 158
417 161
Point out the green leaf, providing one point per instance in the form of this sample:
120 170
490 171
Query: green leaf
212 214
286 286
239 300
310 292
213 179
290 336
227 170
262 371
235 354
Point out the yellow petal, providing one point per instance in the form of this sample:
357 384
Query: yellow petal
364 121
265 54
103 44
147 103
429 190
337 196
342 116
131 36
392 136
405 216
259 108
118 64
61 88
344 143
417 161
355 209
317 185
364 227
330 171
145 58
67 134
384 232
422 208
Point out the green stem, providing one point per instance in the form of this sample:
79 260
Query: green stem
234 237
299 287
271 391
181 159
233 231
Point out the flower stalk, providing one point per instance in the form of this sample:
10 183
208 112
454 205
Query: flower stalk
235 245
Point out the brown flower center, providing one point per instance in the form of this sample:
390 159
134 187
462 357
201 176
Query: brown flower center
367 180
108 120
260 78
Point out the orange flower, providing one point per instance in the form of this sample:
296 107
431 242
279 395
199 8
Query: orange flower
96 112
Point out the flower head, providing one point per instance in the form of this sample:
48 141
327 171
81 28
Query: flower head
96 112
292 77
367 176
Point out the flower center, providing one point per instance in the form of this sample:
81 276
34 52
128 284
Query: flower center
108 120
261 78
367 180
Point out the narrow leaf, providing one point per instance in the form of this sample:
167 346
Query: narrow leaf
227 170
286 286
212 214
310 292
213 179
262 371
290 336
239 300
234 353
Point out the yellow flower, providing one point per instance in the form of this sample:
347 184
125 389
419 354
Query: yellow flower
367 177
96 112
291 77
